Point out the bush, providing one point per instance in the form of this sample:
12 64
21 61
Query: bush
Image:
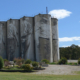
6 63
18 61
5 60
1 62
72 63
35 64
26 67
53 63
62 61
23 60
15 60
79 61
16 66
45 60
28 61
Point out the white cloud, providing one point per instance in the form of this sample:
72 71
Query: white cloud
65 46
65 39
68 45
79 45
60 14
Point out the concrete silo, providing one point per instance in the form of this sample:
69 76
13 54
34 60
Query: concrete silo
43 37
3 39
26 31
55 42
13 39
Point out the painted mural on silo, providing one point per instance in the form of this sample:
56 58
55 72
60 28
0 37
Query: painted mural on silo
27 45
44 48
42 37
54 23
3 40
12 39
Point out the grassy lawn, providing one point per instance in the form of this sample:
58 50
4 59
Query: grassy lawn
13 68
29 76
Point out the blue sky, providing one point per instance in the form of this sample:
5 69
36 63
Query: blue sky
67 12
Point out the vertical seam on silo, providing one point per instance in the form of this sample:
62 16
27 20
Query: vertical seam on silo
34 38
19 40
6 41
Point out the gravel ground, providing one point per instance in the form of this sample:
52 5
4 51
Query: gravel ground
59 70
72 61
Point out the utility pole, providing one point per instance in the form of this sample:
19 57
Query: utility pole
46 10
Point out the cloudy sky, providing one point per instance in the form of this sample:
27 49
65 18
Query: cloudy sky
67 12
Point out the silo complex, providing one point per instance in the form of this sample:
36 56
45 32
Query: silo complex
34 38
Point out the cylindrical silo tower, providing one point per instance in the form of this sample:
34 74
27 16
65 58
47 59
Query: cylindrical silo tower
55 42
12 39
3 40
26 31
43 37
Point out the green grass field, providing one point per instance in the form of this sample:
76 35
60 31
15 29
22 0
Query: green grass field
29 76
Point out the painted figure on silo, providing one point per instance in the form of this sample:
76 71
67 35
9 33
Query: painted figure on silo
43 38
1 38
25 37
12 40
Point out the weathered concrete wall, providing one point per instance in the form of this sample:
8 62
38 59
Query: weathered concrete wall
55 43
42 33
27 45
12 39
3 39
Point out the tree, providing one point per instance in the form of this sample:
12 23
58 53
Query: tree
72 52
1 62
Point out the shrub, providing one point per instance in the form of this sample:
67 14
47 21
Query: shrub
23 60
5 60
62 61
1 62
14 61
53 63
6 63
45 60
18 61
26 67
35 64
79 61
15 65
28 61
72 63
